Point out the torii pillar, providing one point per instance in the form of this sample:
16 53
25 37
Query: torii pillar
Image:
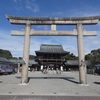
24 78
79 32
80 44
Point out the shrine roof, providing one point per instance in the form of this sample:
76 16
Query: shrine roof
48 48
4 60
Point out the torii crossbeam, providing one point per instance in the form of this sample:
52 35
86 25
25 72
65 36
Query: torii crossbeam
53 33
79 32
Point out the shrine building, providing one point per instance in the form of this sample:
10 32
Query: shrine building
51 55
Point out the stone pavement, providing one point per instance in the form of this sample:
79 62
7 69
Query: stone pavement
39 97
65 84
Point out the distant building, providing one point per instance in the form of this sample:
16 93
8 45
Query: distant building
5 61
74 64
6 66
19 62
51 55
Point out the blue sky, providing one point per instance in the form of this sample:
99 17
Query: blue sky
47 8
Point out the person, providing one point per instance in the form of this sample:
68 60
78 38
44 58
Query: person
58 69
41 67
45 69
61 68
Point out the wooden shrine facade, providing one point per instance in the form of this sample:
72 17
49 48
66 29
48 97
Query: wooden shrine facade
51 55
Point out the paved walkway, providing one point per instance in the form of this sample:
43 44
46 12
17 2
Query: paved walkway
65 84
38 97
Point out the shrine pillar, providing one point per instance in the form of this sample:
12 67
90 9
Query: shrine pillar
24 78
82 65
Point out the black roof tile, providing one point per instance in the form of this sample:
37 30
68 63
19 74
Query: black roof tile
47 48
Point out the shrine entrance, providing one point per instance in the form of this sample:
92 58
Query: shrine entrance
79 32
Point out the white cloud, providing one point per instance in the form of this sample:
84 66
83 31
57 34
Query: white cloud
30 5
11 43
15 43
97 42
26 5
84 10
68 43
91 43
36 42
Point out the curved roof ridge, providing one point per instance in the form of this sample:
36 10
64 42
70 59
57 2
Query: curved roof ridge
51 45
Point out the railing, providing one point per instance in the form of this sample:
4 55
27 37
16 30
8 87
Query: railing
52 59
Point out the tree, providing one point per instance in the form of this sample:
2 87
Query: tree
32 57
88 57
94 56
5 54
20 58
70 56
15 58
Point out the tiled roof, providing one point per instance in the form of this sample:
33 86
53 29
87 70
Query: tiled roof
4 60
51 48
75 62
16 61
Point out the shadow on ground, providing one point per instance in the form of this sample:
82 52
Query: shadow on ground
98 83
70 79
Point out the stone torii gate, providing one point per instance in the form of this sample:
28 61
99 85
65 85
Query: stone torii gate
79 32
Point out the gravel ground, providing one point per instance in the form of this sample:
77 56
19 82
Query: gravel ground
65 84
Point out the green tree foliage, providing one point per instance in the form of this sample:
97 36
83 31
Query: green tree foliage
32 57
15 58
20 58
94 56
5 53
70 56
88 57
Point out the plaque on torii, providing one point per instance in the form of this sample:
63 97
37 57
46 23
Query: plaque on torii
79 32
